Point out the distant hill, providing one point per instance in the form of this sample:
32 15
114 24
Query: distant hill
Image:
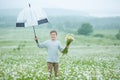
64 12
63 18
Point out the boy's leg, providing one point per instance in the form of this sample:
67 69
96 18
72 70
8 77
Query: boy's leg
56 69
50 65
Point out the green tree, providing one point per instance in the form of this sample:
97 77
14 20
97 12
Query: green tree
118 35
85 29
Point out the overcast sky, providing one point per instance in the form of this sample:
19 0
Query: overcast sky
93 7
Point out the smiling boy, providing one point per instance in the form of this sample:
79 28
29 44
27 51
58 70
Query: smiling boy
53 46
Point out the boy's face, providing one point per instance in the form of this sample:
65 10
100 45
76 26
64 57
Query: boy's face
53 36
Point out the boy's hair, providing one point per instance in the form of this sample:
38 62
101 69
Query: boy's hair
53 31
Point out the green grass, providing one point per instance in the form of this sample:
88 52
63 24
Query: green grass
89 58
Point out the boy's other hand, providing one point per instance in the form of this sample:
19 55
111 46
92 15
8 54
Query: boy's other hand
67 46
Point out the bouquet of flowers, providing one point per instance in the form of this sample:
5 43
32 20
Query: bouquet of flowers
69 38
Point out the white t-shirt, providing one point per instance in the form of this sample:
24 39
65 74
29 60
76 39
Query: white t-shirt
52 50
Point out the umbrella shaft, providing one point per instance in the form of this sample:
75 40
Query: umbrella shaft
34 31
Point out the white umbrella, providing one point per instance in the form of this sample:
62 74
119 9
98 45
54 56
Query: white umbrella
31 16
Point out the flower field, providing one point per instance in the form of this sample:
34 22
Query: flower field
23 60
28 64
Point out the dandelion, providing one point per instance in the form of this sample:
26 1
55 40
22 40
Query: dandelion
69 38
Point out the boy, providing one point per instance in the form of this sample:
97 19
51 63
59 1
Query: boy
52 46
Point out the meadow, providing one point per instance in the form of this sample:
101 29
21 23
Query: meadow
89 57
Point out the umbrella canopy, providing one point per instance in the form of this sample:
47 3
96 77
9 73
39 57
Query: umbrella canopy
31 16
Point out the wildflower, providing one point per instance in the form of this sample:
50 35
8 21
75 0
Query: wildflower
69 38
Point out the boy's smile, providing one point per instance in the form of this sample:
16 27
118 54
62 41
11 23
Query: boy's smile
53 36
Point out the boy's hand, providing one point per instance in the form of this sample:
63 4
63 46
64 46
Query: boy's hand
36 39
67 46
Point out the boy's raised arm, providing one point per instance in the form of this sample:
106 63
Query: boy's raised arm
40 45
